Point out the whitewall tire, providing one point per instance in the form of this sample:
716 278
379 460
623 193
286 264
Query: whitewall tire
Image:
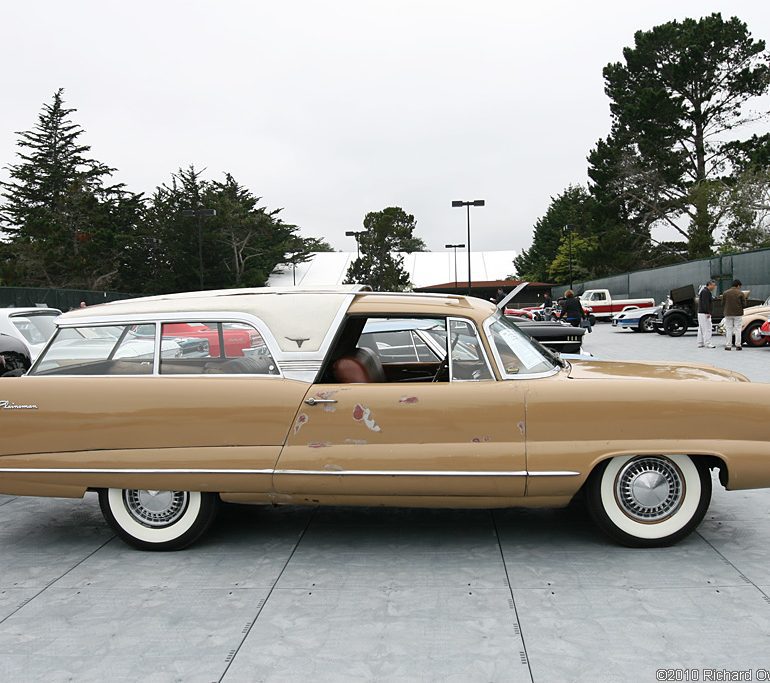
649 500
158 520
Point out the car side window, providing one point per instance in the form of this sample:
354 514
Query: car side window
215 348
468 360
98 350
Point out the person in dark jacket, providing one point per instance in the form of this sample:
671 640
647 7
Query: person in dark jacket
571 310
705 308
734 302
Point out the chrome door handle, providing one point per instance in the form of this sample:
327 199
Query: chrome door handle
313 401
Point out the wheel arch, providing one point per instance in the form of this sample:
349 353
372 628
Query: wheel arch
710 460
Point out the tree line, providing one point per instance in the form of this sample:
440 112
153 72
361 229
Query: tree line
677 155
65 223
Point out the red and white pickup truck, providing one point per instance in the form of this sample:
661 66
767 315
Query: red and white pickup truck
604 305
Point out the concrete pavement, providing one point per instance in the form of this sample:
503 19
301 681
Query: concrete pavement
344 594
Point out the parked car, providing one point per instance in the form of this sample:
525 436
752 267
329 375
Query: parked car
236 337
557 336
32 326
636 319
15 358
604 304
529 313
322 418
754 318
680 312
553 314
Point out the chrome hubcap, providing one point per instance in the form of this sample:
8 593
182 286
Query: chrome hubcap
649 489
156 508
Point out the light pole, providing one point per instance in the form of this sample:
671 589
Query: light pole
355 233
459 203
568 229
200 214
455 247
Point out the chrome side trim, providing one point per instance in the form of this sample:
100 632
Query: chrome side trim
110 470
403 473
554 473
334 473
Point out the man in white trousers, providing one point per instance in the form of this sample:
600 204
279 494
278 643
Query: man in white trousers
705 307
734 303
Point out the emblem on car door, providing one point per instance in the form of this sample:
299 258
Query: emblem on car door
10 405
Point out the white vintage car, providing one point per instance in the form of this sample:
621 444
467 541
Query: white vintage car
33 326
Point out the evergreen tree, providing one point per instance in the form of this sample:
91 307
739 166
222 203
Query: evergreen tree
240 246
65 224
678 94
573 207
380 266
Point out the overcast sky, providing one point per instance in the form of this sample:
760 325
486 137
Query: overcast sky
333 109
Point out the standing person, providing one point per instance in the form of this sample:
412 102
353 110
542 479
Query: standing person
734 302
571 310
500 295
547 301
705 307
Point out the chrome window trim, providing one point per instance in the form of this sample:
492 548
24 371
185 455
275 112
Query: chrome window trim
196 315
499 361
470 322
159 319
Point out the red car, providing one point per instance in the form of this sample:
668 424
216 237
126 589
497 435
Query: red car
236 337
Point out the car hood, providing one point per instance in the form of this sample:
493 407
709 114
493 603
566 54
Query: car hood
756 310
594 369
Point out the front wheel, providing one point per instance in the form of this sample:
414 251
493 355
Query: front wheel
646 324
675 326
649 500
158 520
752 335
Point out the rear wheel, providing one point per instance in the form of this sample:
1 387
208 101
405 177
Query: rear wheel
158 520
752 335
650 500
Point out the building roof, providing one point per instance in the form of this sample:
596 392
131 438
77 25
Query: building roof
486 284
425 268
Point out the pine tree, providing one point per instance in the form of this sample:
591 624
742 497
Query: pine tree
380 266
65 224
63 220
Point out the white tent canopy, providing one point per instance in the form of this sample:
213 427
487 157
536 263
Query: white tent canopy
425 268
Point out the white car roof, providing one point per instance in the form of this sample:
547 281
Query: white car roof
290 313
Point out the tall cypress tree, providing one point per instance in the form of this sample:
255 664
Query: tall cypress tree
65 223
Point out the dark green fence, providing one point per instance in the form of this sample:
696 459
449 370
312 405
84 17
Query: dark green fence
63 299
752 268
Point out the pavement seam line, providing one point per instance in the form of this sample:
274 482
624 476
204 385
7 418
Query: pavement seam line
510 590
10 500
234 653
740 573
58 578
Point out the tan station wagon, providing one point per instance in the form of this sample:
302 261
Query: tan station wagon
349 397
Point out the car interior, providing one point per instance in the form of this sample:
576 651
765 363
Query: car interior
372 350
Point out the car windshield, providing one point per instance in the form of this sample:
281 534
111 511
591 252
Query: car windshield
516 353
36 328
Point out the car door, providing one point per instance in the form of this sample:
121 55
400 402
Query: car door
451 438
